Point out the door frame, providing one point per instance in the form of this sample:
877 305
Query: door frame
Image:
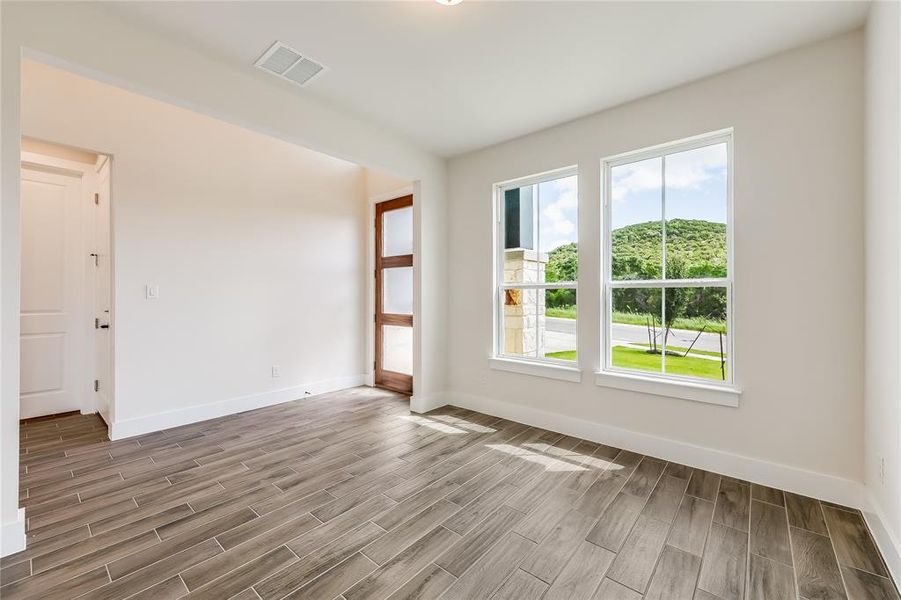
105 161
90 180
372 336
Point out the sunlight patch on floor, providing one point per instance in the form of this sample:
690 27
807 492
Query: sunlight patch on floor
553 450
582 459
550 463
436 425
475 427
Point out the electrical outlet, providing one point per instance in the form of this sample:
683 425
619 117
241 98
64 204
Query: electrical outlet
276 371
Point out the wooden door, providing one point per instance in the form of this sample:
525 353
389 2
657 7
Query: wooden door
52 374
394 294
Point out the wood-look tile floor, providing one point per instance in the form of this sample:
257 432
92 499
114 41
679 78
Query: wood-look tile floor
349 496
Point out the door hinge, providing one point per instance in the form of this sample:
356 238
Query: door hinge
96 199
374 366
96 385
96 323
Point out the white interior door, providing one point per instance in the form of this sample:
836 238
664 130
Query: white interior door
52 378
102 293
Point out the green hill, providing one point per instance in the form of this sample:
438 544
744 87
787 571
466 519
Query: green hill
693 249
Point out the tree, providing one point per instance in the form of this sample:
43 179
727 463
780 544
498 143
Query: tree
694 249
562 265
677 299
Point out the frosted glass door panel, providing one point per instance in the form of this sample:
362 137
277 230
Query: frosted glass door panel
397 232
397 350
397 298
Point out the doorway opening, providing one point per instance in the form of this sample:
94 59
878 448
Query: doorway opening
66 304
394 294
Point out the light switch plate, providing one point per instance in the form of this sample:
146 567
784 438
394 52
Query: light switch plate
151 292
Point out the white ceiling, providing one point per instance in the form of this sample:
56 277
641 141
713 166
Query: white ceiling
453 79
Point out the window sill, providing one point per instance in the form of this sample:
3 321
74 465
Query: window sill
525 367
696 392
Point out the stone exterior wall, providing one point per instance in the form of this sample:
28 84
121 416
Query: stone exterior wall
524 310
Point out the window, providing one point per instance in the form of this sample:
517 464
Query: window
668 263
536 268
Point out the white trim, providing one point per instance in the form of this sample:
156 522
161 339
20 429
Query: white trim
547 285
723 395
786 477
12 535
888 544
369 369
666 283
497 282
120 429
423 404
608 284
102 159
36 160
681 145
558 173
105 415
47 168
536 368
407 190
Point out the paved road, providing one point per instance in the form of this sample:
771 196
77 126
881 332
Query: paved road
561 335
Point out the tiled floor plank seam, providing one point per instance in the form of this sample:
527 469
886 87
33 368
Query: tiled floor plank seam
363 442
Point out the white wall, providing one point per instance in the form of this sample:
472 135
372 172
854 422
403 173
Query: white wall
87 39
258 247
883 271
798 176
379 184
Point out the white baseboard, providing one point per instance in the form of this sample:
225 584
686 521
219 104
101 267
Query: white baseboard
423 404
800 481
193 414
889 544
12 535
104 414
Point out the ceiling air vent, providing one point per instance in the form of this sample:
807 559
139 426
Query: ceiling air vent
289 64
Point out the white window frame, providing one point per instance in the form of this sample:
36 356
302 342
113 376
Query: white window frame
547 367
691 388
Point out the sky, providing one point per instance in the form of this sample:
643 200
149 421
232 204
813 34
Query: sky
558 203
695 187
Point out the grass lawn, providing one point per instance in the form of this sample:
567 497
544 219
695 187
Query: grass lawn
682 349
692 324
639 360
561 312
